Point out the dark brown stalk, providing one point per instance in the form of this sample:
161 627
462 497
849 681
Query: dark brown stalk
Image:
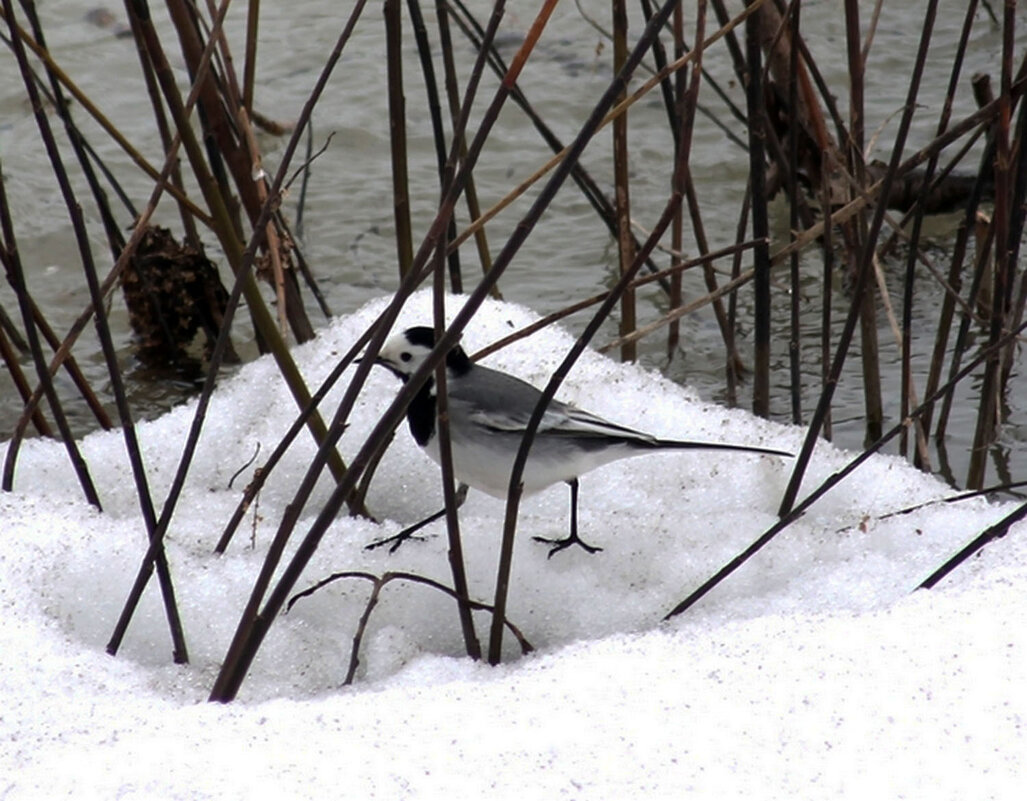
74 372
161 118
855 232
982 269
760 226
1000 529
670 92
438 131
226 228
1018 203
1018 209
798 510
453 96
871 358
733 375
447 172
731 41
456 550
180 653
155 552
86 157
392 11
827 279
7 326
115 239
987 414
301 261
783 72
865 269
587 131
691 99
995 489
732 359
794 352
221 343
668 88
10 357
984 97
84 101
675 313
584 181
677 228
229 155
918 217
63 352
255 621
622 190
249 71
16 276
379 583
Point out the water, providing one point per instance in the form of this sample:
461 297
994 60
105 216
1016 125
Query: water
348 221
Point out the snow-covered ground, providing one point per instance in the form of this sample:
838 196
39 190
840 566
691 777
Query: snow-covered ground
813 672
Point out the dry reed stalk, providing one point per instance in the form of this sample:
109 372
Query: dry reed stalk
453 98
760 226
798 510
392 12
863 274
794 341
13 264
622 188
855 232
918 217
327 450
1000 529
988 417
101 119
10 357
257 618
677 228
379 583
452 255
442 437
588 130
726 30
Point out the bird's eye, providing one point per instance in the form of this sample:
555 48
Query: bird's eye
405 356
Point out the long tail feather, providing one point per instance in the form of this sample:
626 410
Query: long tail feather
709 446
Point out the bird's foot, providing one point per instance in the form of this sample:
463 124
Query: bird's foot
396 540
566 542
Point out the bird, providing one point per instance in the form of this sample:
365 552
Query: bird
489 411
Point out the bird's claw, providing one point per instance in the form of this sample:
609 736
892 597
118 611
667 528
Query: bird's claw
560 544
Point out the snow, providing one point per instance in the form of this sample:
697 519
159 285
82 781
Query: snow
813 672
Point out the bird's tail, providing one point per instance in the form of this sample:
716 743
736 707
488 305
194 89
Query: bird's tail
677 444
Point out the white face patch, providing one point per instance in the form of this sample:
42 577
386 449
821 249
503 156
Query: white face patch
402 357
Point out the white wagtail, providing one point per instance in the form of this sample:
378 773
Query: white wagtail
488 414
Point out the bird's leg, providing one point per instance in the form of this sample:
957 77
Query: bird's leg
573 539
408 533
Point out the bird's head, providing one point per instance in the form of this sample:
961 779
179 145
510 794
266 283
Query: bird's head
405 352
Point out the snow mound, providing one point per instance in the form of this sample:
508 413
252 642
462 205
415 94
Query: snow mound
813 669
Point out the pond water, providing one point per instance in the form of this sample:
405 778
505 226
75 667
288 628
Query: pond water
348 222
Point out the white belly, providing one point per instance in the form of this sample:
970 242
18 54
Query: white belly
488 468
